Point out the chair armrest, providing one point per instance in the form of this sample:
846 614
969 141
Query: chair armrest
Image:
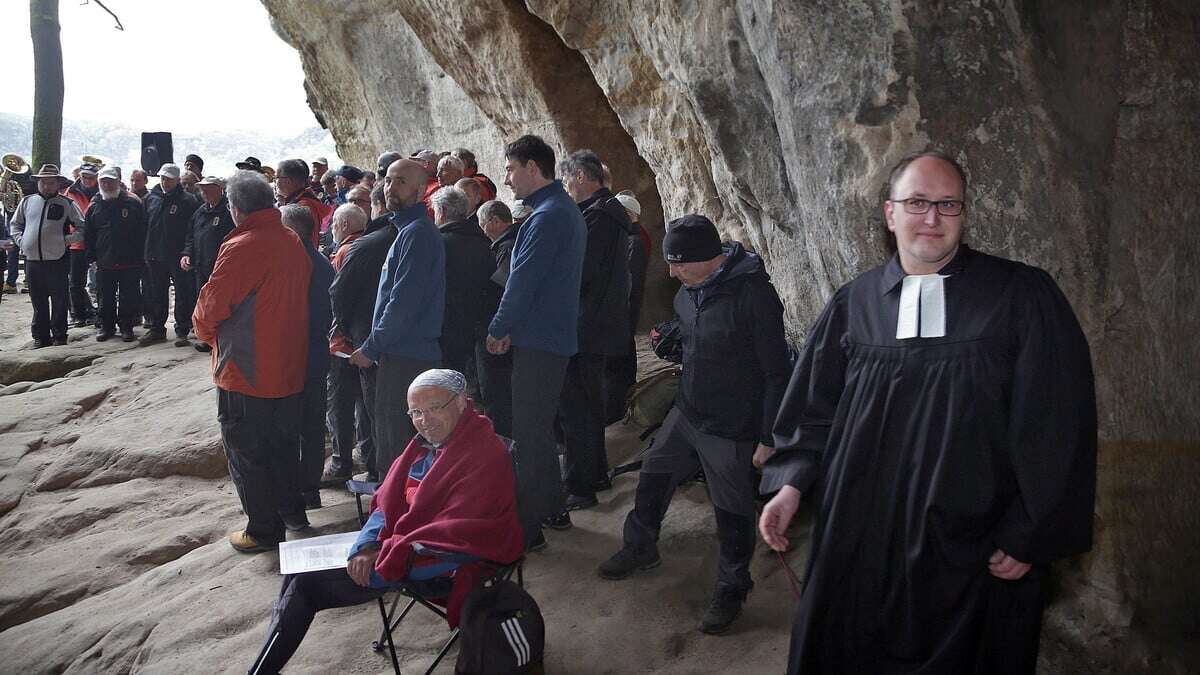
449 556
361 487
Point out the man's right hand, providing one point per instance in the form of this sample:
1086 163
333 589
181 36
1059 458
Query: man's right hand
498 345
185 263
361 565
777 515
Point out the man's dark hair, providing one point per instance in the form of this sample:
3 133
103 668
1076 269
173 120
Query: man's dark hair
530 148
293 168
385 160
467 157
329 178
377 196
585 162
898 170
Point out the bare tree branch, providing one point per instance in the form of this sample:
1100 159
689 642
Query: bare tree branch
110 13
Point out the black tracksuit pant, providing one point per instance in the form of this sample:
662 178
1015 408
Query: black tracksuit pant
348 417
120 297
261 438
495 387
81 303
162 274
537 379
393 428
48 291
312 432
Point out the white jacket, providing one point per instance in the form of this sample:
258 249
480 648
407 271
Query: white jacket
40 226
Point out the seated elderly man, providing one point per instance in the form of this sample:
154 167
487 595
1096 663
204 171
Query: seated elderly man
452 490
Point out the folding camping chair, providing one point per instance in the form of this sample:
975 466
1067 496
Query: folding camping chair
422 593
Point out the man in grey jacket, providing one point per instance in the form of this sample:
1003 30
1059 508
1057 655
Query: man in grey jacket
41 228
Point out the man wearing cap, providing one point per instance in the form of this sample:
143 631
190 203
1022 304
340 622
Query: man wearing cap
194 163
538 319
210 224
487 189
82 191
319 166
250 164
291 185
116 235
452 492
41 227
347 177
621 372
735 370
409 306
169 212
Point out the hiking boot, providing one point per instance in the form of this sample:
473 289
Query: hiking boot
332 479
202 347
561 521
312 499
152 338
103 335
127 335
59 341
295 521
182 342
576 502
38 344
538 543
726 605
629 560
242 541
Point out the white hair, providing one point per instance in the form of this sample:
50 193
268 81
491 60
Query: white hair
451 161
352 216
442 378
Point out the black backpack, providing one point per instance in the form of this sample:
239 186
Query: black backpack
501 631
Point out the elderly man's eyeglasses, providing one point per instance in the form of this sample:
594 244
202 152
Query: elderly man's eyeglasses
417 413
917 206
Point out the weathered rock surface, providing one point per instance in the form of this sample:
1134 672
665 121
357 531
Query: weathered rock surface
1077 125
114 506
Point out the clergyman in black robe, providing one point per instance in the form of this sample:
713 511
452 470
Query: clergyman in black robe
949 466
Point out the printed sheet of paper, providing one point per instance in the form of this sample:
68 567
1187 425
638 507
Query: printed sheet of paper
314 554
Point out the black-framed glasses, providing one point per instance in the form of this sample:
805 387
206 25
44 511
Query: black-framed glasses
945 207
418 414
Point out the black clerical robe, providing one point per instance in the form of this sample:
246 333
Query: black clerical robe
925 455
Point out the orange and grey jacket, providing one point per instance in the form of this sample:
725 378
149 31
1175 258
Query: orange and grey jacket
254 309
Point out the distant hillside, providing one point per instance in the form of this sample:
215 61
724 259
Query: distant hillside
122 145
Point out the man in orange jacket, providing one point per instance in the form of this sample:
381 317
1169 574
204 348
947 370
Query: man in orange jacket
254 312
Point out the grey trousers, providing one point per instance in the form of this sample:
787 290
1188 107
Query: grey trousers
393 428
679 450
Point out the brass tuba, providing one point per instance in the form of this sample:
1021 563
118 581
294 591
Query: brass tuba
92 159
10 190
269 173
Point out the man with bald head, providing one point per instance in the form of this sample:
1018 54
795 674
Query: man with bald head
452 491
943 416
409 306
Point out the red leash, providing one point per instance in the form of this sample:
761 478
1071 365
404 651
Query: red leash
791 576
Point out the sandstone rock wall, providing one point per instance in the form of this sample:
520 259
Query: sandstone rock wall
1077 123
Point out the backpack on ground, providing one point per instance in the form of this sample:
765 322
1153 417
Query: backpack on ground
502 631
651 399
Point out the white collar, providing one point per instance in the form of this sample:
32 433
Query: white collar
922 311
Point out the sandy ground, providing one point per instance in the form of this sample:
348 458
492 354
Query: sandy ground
115 501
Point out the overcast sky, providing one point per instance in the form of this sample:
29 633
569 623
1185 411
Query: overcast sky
184 66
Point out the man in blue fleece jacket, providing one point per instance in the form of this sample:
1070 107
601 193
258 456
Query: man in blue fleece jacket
408 311
537 319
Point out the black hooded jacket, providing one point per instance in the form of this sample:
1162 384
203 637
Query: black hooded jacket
115 236
735 355
352 295
469 267
168 215
604 287
208 228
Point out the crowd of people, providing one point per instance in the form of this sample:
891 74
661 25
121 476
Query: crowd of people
940 416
